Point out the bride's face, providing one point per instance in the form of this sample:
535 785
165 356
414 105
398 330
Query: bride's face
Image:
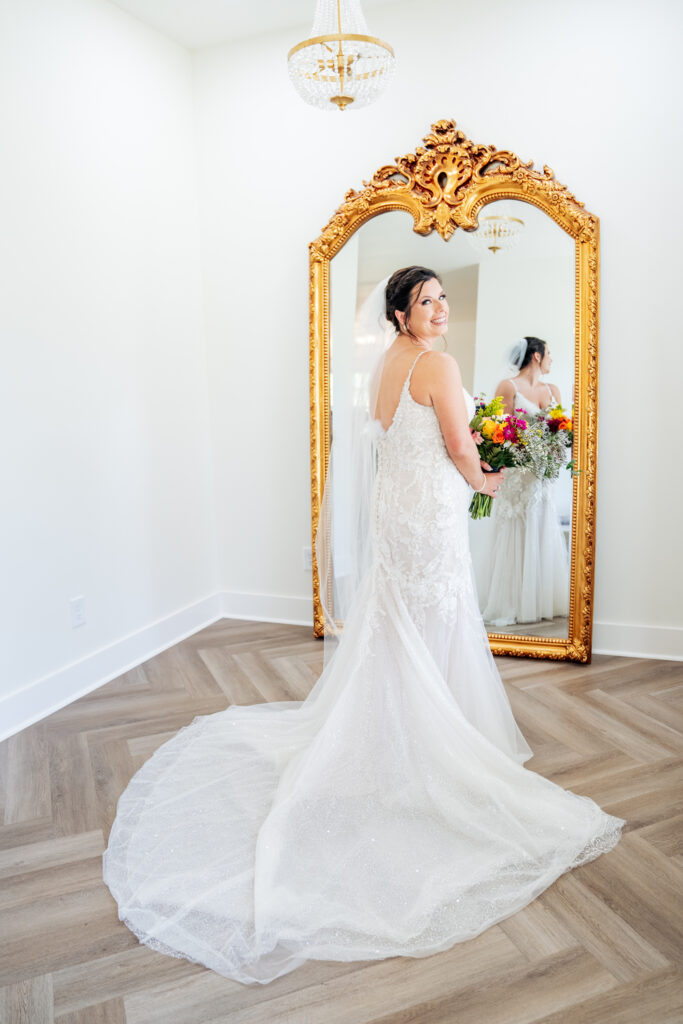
547 361
428 316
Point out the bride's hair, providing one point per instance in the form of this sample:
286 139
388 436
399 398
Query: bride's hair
399 290
532 345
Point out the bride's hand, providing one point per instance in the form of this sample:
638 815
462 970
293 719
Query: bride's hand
494 479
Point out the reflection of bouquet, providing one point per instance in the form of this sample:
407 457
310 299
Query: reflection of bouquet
550 432
563 427
500 441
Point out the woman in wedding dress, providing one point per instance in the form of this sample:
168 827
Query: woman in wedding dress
525 575
389 813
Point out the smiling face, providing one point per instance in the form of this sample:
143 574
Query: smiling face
427 314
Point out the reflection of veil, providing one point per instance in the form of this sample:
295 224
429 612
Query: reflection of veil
515 356
343 542
510 363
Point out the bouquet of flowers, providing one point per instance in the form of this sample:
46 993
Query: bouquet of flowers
550 432
500 439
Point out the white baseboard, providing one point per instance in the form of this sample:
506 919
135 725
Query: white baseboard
628 641
296 611
52 692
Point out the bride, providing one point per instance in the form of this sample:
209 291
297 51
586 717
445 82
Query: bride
525 574
389 813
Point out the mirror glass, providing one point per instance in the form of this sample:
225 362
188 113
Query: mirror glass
499 289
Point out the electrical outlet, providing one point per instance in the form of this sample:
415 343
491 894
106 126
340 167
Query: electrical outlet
77 606
308 560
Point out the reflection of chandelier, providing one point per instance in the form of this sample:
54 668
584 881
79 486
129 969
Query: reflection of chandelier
335 68
495 232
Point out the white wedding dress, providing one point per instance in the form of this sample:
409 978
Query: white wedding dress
386 815
524 573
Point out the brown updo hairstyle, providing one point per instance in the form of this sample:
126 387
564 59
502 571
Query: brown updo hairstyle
533 345
399 291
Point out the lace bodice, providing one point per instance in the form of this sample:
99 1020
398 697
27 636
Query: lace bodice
420 512
521 401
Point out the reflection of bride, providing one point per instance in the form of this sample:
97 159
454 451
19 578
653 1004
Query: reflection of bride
525 575
389 813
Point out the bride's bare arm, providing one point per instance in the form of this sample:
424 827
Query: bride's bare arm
442 378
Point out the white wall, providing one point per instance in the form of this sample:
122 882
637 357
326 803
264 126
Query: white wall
595 95
106 474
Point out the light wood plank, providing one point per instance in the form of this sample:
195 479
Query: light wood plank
27 1002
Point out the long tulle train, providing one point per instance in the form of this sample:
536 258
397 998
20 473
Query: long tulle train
387 814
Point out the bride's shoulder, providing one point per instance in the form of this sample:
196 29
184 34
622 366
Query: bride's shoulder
440 371
440 363
506 387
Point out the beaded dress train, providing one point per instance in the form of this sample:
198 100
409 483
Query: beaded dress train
389 813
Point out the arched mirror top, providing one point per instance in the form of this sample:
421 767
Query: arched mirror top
444 185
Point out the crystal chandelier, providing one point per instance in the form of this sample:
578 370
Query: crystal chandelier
340 64
495 233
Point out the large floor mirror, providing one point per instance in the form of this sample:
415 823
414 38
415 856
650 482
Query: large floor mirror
518 258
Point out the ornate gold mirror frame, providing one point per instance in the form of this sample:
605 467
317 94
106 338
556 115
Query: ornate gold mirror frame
444 185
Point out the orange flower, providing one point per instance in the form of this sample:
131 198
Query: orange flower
498 436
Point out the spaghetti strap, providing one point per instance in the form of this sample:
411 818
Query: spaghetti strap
410 372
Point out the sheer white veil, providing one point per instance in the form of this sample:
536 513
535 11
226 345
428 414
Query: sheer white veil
343 542
510 364
515 355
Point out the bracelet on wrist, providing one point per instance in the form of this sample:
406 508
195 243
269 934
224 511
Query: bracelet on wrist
478 490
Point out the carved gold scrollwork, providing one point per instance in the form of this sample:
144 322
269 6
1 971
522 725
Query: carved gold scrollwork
444 185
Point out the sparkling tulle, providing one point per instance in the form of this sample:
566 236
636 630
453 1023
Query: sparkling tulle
388 814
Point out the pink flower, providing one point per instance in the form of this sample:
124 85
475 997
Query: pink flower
477 436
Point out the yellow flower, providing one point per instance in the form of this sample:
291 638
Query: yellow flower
487 428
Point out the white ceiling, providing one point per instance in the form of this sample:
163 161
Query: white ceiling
198 23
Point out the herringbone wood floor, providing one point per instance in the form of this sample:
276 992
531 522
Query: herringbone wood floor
600 946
